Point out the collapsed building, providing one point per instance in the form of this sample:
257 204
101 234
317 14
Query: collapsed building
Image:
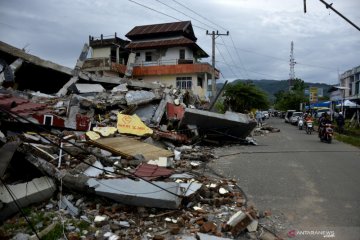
109 128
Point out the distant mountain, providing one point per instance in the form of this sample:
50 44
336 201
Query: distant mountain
273 86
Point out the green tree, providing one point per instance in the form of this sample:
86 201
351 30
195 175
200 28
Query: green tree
241 97
291 100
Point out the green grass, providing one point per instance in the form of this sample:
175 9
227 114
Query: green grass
353 140
56 233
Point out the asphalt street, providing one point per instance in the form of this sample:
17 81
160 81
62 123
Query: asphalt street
307 184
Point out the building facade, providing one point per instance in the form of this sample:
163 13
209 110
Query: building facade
165 53
350 81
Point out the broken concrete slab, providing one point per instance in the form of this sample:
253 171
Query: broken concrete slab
160 110
230 124
33 59
238 222
89 88
37 190
141 84
138 193
139 97
6 153
120 88
64 203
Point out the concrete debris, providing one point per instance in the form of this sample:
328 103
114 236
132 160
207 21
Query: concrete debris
139 97
89 88
141 193
36 190
120 88
6 153
64 203
229 125
129 155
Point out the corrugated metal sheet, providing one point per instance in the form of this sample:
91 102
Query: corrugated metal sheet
158 28
151 172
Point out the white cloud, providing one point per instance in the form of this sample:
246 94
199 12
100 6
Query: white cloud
261 31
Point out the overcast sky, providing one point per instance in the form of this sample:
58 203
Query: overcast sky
258 47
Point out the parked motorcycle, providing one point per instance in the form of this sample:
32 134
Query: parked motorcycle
300 123
309 127
327 134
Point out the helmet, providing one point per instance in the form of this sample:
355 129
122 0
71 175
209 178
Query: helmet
340 113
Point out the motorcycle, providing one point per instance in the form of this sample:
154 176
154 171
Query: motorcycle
327 133
300 123
309 127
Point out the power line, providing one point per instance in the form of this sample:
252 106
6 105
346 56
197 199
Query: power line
265 74
227 49
152 9
240 60
280 59
183 13
199 15
227 64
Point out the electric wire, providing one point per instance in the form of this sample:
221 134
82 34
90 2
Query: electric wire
183 13
226 63
163 13
84 150
13 197
238 55
199 15
265 74
227 49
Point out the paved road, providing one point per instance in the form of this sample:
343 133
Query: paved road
308 184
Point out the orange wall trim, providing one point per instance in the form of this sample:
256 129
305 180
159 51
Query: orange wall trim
167 69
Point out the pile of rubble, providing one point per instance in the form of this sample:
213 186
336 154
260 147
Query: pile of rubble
125 162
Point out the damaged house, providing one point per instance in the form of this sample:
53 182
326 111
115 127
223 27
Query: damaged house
166 53
116 141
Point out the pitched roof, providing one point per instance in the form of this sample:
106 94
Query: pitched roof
160 30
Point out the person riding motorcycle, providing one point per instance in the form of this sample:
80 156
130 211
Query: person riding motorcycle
323 120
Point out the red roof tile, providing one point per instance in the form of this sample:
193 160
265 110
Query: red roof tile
21 106
150 172
158 28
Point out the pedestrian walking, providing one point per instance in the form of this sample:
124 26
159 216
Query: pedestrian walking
258 116
340 120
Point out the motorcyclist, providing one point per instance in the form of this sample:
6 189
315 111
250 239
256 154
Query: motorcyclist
323 120
308 118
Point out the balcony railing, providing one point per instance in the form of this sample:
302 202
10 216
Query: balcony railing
161 62
168 66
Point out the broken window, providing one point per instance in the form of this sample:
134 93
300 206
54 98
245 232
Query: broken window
199 81
148 56
48 120
182 54
184 82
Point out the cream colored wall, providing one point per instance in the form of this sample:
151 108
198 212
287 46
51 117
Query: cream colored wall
171 80
101 52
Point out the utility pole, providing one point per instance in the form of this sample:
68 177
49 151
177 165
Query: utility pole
214 36
292 66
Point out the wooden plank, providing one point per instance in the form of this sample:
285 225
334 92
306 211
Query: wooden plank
129 147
